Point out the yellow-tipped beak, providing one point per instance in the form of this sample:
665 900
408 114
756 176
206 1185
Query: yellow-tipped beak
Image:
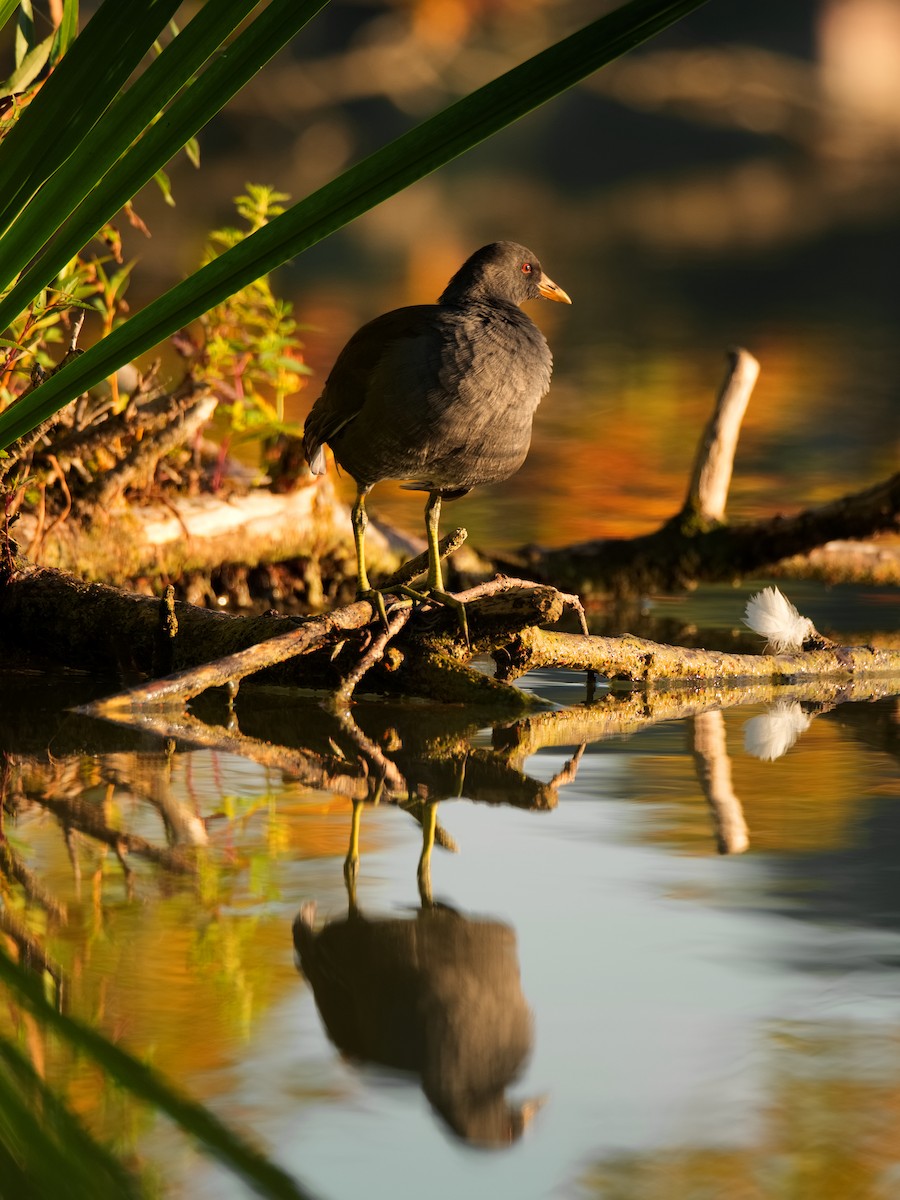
552 291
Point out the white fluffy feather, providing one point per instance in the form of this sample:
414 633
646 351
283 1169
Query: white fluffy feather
774 732
772 616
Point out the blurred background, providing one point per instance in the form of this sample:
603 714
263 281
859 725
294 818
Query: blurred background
736 180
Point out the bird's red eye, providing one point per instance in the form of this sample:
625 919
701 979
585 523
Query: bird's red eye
526 268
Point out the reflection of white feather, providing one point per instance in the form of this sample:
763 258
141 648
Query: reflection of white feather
772 616
774 732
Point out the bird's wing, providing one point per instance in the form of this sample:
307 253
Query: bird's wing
347 386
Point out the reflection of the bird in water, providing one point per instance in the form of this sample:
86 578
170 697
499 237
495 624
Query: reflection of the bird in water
436 994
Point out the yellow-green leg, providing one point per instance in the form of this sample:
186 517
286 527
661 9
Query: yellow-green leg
360 522
432 521
435 582
351 862
429 824
364 589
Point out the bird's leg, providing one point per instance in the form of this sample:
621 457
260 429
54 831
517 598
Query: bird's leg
423 874
364 589
351 862
432 521
360 520
435 582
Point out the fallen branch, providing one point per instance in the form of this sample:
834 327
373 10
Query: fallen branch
426 656
636 661
183 685
696 544
373 655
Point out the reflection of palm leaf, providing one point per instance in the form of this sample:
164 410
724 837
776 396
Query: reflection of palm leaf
59 1147
44 1150
128 147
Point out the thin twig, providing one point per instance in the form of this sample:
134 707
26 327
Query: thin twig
184 685
570 768
35 543
448 544
67 507
372 754
76 330
373 655
506 583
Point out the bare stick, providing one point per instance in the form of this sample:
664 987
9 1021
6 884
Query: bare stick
371 754
711 476
448 544
166 632
373 655
570 768
76 330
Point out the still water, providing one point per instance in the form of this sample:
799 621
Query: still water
651 958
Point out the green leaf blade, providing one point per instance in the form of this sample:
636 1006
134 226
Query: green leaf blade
145 159
410 158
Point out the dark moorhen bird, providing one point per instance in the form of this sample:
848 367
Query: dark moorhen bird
441 395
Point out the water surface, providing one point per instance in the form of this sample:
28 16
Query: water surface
647 1010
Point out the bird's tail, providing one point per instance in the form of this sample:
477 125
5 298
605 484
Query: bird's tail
317 460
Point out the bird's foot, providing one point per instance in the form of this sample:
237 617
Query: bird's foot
458 607
438 596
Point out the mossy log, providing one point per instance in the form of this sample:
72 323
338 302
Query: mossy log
651 664
132 639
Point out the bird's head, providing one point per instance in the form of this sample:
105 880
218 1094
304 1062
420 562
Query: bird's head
502 271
